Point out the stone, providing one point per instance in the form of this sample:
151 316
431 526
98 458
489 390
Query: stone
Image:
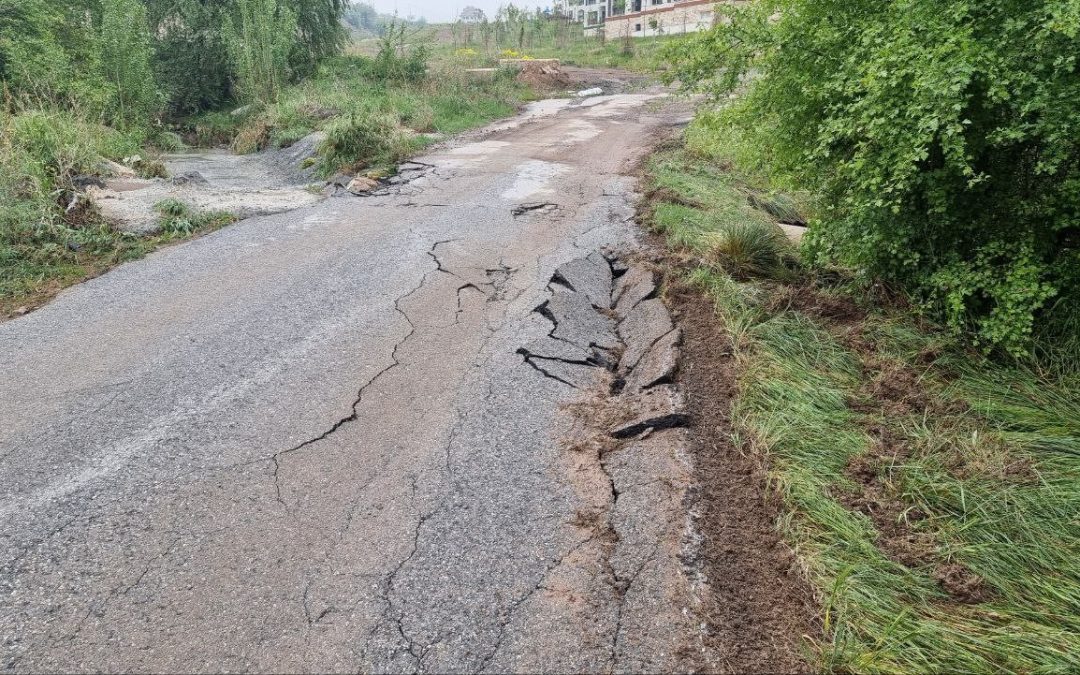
578 322
361 185
662 407
591 276
190 178
643 326
659 364
632 288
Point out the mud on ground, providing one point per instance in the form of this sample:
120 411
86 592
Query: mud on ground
761 608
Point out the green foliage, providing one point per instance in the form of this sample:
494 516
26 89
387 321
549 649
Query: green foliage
192 62
358 139
32 60
396 59
206 56
320 33
942 140
898 457
125 52
259 40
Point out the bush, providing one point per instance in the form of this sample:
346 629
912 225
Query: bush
358 140
397 61
942 141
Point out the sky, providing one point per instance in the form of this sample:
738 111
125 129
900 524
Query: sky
446 10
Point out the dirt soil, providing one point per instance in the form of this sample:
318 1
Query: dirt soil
762 606
544 76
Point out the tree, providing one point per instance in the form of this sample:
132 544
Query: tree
124 54
472 15
320 32
32 60
942 140
259 40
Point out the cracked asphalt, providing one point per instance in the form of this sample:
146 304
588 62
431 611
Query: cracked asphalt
308 442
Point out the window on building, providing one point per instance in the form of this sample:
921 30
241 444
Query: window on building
637 27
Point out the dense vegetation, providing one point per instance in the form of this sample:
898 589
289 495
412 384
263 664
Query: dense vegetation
940 143
928 469
929 493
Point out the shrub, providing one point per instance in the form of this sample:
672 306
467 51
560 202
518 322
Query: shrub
358 140
252 138
259 40
942 141
397 61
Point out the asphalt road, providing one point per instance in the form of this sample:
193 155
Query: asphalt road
308 442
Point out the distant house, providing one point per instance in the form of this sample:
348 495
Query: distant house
473 15
642 18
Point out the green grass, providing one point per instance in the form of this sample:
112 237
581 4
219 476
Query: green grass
981 474
347 97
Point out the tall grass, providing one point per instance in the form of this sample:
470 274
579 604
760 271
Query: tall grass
373 120
985 476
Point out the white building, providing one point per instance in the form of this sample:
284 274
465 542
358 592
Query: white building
642 18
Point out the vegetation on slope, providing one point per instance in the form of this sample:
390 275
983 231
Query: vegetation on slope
930 492
941 145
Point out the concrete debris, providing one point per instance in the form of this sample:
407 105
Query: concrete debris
658 366
577 321
662 407
633 287
189 178
533 207
591 276
643 326
112 169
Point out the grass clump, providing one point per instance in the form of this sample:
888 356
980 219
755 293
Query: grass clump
179 220
929 493
749 249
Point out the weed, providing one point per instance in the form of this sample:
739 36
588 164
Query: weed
356 141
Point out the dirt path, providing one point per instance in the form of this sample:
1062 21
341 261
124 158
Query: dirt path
350 437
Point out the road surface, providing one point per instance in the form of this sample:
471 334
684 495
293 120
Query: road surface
310 441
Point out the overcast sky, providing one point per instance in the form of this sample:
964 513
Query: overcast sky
445 10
